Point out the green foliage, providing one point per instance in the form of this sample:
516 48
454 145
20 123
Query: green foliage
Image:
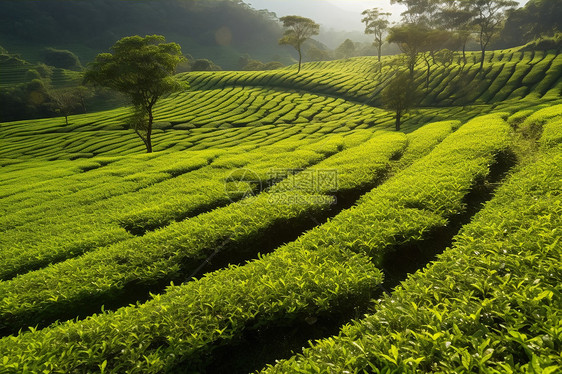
535 20
189 321
489 304
297 31
142 69
62 59
67 244
204 65
329 98
421 198
400 95
193 24
411 41
237 228
323 270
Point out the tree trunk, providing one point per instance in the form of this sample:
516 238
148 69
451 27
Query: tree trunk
398 123
427 62
149 131
66 119
380 53
464 53
483 46
300 60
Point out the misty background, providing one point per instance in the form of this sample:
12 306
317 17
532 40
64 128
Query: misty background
339 19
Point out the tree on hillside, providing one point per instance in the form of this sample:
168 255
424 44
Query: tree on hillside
297 31
376 23
68 100
419 12
455 16
411 40
61 58
434 41
400 95
536 19
488 19
142 69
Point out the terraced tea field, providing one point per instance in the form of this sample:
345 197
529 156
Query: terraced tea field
280 211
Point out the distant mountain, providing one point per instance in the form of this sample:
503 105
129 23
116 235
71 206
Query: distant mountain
321 11
337 24
221 30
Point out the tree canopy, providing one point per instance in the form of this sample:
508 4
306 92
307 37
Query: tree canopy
297 31
142 69
400 95
536 19
411 40
489 16
376 23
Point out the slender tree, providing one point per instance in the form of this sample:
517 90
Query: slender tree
297 31
432 42
488 19
411 40
142 69
68 100
455 16
400 95
376 23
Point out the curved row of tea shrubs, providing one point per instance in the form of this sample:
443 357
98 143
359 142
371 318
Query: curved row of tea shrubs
226 109
324 269
99 207
489 304
102 276
193 120
507 74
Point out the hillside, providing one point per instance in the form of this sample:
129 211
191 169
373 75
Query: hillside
230 108
27 27
279 211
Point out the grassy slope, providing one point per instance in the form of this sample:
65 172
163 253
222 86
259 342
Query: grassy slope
230 108
258 121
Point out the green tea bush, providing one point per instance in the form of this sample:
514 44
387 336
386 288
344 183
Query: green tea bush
184 325
489 304
222 304
178 249
552 133
424 197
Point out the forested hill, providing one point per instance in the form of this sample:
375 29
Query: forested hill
220 30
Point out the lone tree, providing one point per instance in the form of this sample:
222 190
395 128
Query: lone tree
297 31
411 40
489 16
68 100
400 95
376 23
142 69
458 17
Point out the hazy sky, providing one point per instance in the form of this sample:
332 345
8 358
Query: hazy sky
337 14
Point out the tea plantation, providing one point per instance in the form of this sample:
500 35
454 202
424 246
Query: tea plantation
282 226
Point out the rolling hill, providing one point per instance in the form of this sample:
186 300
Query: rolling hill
280 211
